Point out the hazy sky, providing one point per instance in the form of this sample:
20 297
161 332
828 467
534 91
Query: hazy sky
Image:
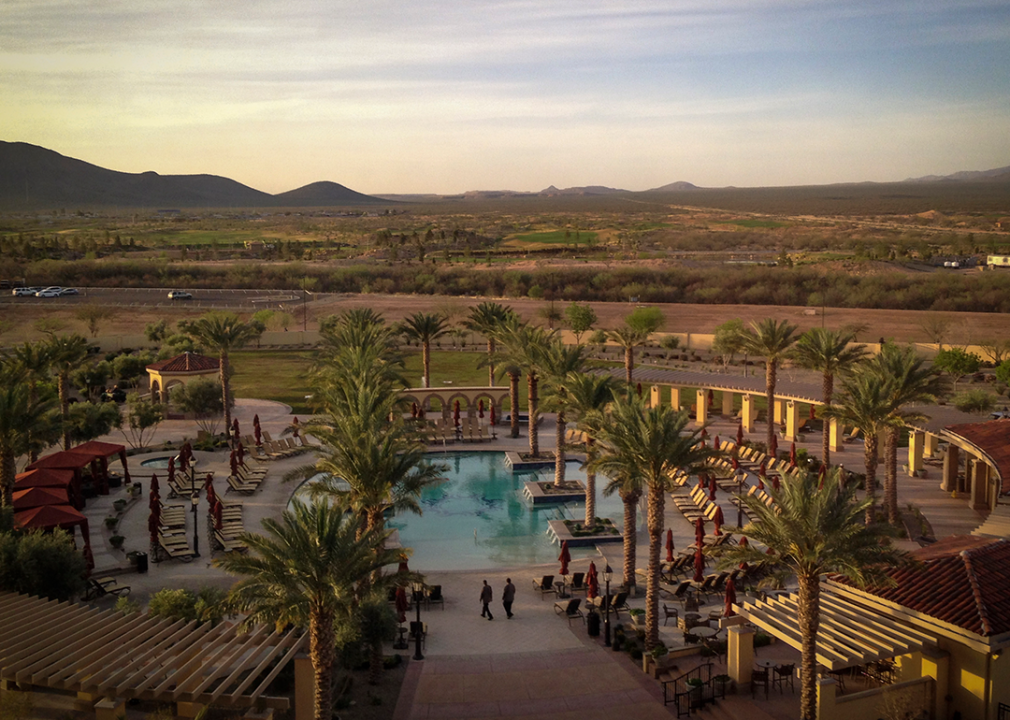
430 96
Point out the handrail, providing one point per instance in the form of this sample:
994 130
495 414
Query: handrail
679 695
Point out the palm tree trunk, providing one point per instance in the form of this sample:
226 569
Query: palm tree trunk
224 393
426 361
629 364
630 538
33 397
514 402
808 605
870 460
827 390
559 453
771 372
590 489
63 384
321 652
375 663
8 470
655 521
490 364
891 475
534 412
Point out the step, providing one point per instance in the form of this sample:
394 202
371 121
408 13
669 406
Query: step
737 707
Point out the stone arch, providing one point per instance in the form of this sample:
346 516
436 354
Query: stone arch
155 391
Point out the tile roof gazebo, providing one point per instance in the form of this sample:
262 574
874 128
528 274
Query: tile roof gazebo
179 370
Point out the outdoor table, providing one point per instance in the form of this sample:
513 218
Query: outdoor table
689 619
704 632
767 664
401 640
560 585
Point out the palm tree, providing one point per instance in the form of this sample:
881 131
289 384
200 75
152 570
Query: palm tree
772 340
865 403
24 425
827 351
629 339
308 570
652 445
34 361
523 347
911 381
223 332
487 319
813 531
425 327
560 362
66 353
588 395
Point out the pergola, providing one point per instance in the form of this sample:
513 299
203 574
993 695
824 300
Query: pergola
111 655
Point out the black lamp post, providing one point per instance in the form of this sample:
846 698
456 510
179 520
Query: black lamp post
607 575
418 595
195 497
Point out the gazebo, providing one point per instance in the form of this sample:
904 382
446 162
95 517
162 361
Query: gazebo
68 460
102 451
179 370
49 517
34 497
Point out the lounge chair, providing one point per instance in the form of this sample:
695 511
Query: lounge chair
229 544
681 592
570 609
99 587
176 551
240 487
435 596
578 583
545 585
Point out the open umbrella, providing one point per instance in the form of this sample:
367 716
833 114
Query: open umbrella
669 545
739 433
564 558
718 520
402 605
592 582
699 564
730 598
774 448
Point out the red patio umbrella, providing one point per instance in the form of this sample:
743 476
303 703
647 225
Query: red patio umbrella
455 414
711 398
89 560
233 462
774 449
669 545
171 470
699 532
775 482
38 496
730 598
413 410
208 487
257 432
704 433
718 520
294 427
744 542
402 569
241 453
736 464
761 482
638 389
739 433
564 558
699 564
494 418
592 582
218 514
480 409
184 457
711 490
715 443
234 428
702 481
154 482
402 605
792 455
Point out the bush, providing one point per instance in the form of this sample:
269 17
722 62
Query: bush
762 640
43 564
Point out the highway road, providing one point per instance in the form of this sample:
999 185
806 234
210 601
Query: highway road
158 297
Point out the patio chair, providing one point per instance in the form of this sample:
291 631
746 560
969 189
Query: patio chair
419 628
680 592
620 602
759 678
176 551
670 612
545 585
435 596
99 587
784 674
570 608
578 583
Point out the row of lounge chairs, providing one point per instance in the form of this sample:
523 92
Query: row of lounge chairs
695 504
441 431
247 479
229 536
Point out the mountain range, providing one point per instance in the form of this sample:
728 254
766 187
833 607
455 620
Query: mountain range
995 175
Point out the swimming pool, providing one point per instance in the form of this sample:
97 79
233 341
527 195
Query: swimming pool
479 519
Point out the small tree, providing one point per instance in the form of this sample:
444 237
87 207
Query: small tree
203 398
580 319
130 368
729 340
156 332
645 320
93 316
91 379
89 421
976 401
936 327
551 314
996 350
957 363
142 420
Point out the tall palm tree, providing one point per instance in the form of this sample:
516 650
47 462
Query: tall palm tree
34 360
651 444
827 351
814 530
628 338
865 403
425 327
772 340
523 346
66 354
24 425
308 570
588 395
487 319
223 332
911 382
559 362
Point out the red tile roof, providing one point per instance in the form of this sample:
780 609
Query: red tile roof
992 438
187 362
963 580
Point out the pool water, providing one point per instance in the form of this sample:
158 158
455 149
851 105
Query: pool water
479 518
156 463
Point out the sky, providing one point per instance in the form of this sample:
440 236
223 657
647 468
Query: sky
429 96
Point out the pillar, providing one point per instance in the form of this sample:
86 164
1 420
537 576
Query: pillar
747 414
792 420
979 485
827 689
727 404
110 709
935 665
701 416
909 667
916 440
187 709
740 655
834 437
778 411
654 396
675 398
932 445
950 464
305 685
265 714
85 701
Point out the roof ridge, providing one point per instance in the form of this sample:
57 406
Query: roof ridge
976 591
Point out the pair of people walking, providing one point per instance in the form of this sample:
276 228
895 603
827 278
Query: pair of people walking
508 596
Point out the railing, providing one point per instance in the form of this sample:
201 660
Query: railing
1004 712
687 697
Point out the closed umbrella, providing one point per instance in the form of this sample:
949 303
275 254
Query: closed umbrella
241 453
257 431
171 470
638 389
208 486
715 443
704 433
154 481
739 433
669 545
711 490
233 462
774 449
711 398
699 564
592 582
402 605
294 427
494 418
89 560
455 414
761 481
183 459
413 410
218 514
792 455
234 428
744 542
699 532
736 464
820 476
564 558
775 482
730 598
718 520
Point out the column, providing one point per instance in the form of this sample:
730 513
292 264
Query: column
909 666
979 485
834 437
916 440
727 404
702 403
740 655
935 665
110 709
747 414
305 685
950 464
778 411
654 396
265 714
932 445
827 689
675 398
792 420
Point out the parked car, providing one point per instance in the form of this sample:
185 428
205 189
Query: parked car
116 394
49 292
69 291
179 295
24 292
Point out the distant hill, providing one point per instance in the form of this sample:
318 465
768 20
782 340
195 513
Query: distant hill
676 187
995 175
34 177
587 190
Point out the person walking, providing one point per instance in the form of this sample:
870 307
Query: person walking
508 595
485 597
